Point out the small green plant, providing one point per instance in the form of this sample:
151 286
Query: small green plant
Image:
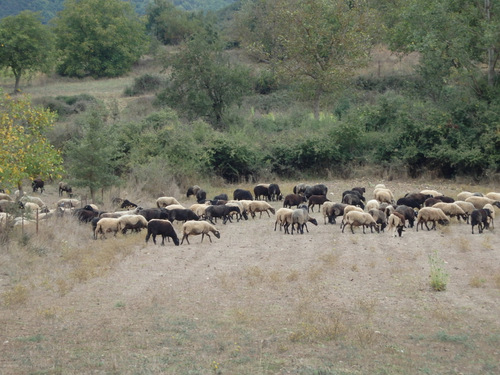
439 275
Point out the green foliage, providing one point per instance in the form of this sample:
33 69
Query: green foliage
145 84
204 81
92 155
66 105
26 45
99 38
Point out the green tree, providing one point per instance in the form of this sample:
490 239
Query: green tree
315 44
204 81
99 38
25 151
92 154
26 45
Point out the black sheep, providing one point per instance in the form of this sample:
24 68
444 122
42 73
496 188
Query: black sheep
64 186
410 202
240 194
180 214
294 200
154 213
201 196
221 211
353 199
480 218
318 189
221 197
408 213
86 214
275 192
36 184
316 200
126 204
161 227
261 192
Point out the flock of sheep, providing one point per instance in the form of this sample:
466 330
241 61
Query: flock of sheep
382 212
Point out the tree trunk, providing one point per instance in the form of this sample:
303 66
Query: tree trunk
16 86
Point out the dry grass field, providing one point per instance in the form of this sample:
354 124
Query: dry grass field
255 301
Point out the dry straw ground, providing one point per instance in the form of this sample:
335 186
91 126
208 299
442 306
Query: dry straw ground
254 301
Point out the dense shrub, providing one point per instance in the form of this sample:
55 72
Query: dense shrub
147 83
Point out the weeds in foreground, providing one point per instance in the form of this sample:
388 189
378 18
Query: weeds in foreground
438 274
477 282
16 296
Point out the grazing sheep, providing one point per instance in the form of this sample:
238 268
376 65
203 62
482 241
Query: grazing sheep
107 225
240 194
429 202
383 195
493 195
436 215
353 200
326 210
467 207
355 192
201 196
479 202
372 204
275 192
65 187
379 217
194 228
335 211
192 190
348 208
36 184
283 216
86 214
294 200
132 222
261 191
154 213
221 197
318 189
300 188
166 201
68 203
492 213
199 209
430 192
300 217
38 201
162 228
462 196
242 205
408 213
127 205
316 200
260 206
451 210
480 218
360 219
413 200
6 197
222 211
183 214
396 224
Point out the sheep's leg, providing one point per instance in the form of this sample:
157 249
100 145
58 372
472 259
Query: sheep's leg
163 239
352 230
304 225
208 235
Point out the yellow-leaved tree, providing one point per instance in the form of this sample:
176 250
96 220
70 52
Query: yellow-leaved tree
25 152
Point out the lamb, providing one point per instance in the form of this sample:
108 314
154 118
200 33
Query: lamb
294 200
433 214
493 195
479 202
301 217
240 194
283 216
194 228
184 215
163 228
166 201
106 225
451 210
260 206
357 219
132 222
316 200
396 224
480 218
379 217
261 191
65 187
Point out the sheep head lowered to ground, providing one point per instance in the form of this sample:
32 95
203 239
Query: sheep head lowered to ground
194 228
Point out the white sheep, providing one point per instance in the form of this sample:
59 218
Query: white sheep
199 208
467 207
372 204
175 207
492 213
260 206
325 209
451 209
300 217
107 225
38 201
194 228
436 215
396 224
434 193
493 195
117 214
462 196
348 209
166 201
379 186
360 219
132 222
283 217
68 203
479 202
383 195
6 197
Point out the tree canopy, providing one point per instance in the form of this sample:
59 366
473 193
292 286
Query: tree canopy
25 151
26 45
99 38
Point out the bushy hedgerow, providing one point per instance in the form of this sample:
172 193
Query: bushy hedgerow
147 83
